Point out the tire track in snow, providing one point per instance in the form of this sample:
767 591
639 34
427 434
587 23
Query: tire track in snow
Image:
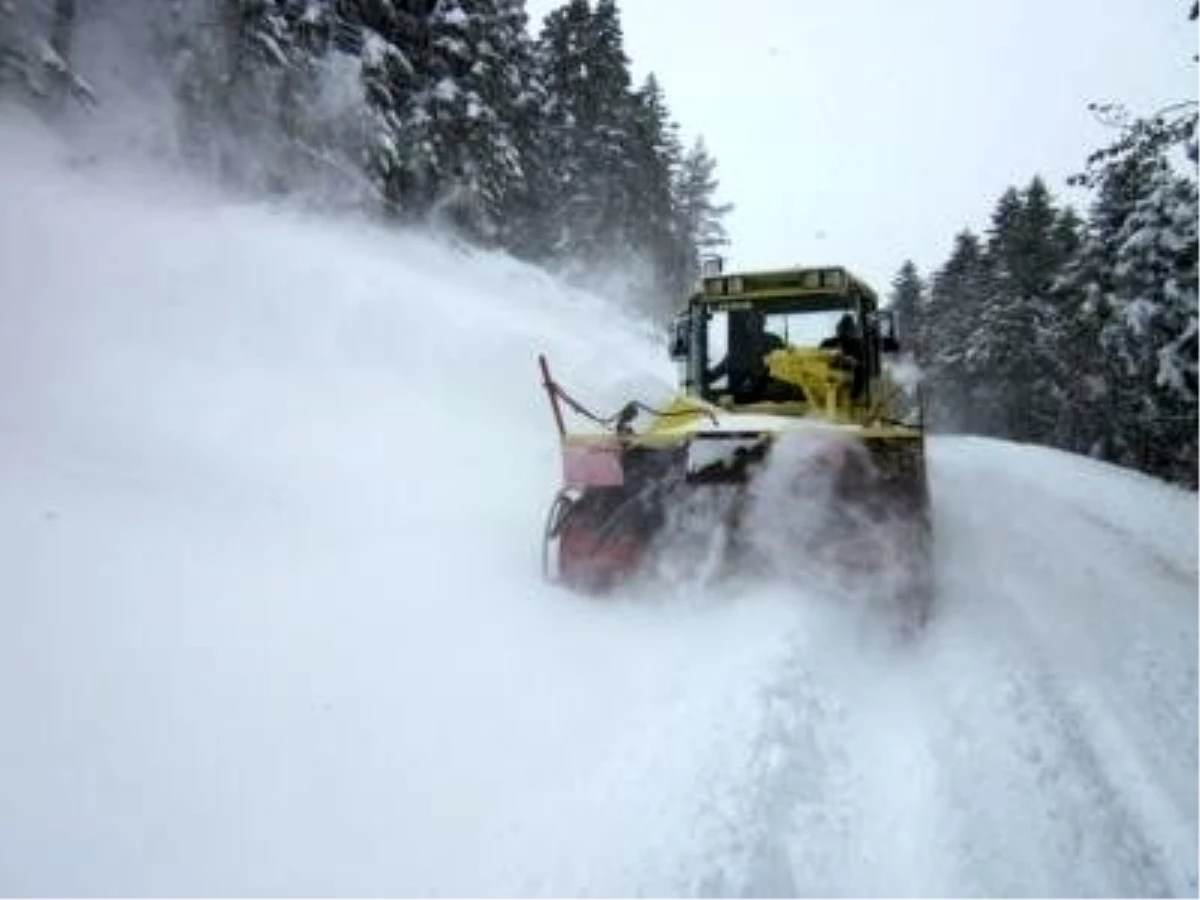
837 771
1001 754
1032 803
1093 656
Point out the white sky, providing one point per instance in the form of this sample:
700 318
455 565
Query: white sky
863 132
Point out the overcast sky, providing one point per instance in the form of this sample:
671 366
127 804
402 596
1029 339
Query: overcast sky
864 132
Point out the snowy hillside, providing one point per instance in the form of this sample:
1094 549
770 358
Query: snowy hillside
271 495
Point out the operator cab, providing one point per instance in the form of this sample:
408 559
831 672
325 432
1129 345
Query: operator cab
739 333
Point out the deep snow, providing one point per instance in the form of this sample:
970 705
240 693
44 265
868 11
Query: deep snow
271 494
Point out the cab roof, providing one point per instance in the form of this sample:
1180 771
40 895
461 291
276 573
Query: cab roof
782 285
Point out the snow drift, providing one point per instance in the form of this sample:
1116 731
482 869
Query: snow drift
271 489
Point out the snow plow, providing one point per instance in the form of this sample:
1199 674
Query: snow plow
784 437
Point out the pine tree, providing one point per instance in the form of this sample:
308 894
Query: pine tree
387 38
248 75
518 98
477 97
590 111
1071 384
1015 342
1149 326
610 106
528 226
907 300
617 185
654 228
700 215
563 67
958 292
1106 406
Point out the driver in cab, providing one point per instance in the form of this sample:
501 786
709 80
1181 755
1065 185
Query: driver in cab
848 343
746 374
845 338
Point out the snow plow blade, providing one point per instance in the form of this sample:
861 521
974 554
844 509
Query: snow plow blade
845 506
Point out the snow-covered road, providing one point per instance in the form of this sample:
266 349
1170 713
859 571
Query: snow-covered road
271 490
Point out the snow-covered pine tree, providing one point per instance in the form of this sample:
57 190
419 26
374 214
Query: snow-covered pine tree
608 107
586 73
907 300
248 76
654 227
1014 344
700 214
1135 280
1068 385
1149 326
615 184
474 86
999 350
387 38
957 294
562 67
519 100
526 227
1102 415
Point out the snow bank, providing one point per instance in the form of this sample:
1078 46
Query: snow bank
1158 517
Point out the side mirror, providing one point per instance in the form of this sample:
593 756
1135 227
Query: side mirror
886 325
679 339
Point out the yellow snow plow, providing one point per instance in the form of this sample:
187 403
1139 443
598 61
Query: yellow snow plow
784 395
